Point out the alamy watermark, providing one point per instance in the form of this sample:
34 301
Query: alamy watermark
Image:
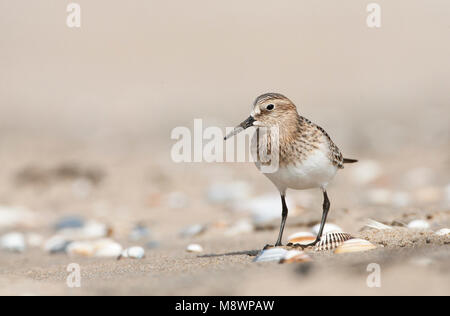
74 278
374 278
260 145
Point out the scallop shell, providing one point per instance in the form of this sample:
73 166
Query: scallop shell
331 241
355 245
295 256
273 254
302 238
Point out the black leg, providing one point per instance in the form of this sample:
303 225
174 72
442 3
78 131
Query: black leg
326 208
284 215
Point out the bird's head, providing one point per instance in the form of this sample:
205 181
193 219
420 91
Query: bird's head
269 110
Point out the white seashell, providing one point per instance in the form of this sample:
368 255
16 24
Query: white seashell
377 225
295 256
56 244
80 248
331 241
91 230
133 253
14 242
272 254
103 248
366 171
194 248
443 232
355 245
107 248
302 238
328 228
419 224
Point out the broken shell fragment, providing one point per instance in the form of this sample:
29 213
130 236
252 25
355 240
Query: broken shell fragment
331 241
194 248
377 225
302 238
293 256
273 254
355 245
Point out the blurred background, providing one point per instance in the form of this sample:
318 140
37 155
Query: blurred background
86 116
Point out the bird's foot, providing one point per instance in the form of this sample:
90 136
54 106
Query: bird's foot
272 246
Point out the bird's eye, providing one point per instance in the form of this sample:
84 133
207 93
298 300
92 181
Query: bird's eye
270 107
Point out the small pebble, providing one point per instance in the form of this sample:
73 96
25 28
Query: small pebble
419 224
69 222
194 248
14 242
56 244
133 253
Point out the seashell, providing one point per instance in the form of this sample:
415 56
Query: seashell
377 225
106 248
14 242
355 245
302 238
419 224
328 228
295 256
443 232
103 248
272 254
194 248
331 241
69 222
56 244
79 248
133 253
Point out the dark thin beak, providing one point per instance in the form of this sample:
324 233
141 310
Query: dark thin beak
244 125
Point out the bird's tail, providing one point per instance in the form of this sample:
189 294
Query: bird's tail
348 160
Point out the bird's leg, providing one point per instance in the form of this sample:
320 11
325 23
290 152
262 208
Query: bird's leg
284 215
326 208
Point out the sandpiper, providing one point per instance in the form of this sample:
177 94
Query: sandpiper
308 158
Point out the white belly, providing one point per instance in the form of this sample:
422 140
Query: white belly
314 172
